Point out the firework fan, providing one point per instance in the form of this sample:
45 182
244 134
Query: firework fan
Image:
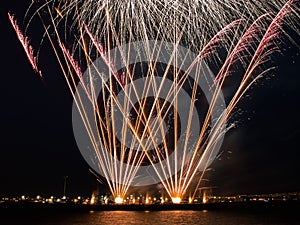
147 107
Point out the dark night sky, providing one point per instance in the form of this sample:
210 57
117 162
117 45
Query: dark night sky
38 147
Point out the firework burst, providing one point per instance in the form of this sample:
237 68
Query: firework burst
140 98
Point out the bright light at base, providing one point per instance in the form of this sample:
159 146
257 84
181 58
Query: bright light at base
118 200
176 200
204 200
92 201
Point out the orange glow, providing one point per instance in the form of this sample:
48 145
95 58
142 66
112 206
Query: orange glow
204 200
92 201
147 199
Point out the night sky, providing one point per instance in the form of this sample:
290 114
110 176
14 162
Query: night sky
38 149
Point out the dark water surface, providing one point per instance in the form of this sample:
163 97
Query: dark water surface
203 217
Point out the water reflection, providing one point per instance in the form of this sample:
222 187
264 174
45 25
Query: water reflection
158 218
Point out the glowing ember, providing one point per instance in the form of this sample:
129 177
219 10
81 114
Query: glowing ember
176 200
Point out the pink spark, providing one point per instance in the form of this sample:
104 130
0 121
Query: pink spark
275 27
100 49
73 62
243 44
210 47
266 46
25 43
75 66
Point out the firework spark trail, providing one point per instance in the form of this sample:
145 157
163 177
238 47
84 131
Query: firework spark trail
79 104
73 62
273 32
25 43
207 50
147 122
204 53
211 47
267 41
111 66
263 49
121 80
220 120
119 77
117 189
244 43
139 160
80 76
100 49
157 90
76 68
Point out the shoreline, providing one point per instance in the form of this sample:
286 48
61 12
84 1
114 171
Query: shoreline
8 207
